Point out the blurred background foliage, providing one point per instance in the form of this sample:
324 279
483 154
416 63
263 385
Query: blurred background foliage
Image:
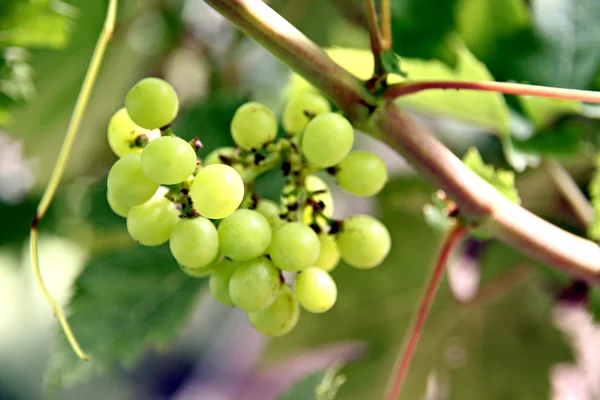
495 331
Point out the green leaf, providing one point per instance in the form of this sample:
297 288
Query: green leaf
420 29
594 189
124 303
594 303
505 345
37 23
391 63
543 111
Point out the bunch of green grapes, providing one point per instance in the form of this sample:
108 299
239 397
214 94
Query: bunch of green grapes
216 224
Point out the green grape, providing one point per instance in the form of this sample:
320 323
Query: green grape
244 235
168 160
253 125
127 184
194 242
197 272
116 207
280 317
327 139
151 223
271 211
294 247
316 290
329 257
152 103
217 191
362 173
219 282
313 183
122 134
364 242
254 284
214 157
298 106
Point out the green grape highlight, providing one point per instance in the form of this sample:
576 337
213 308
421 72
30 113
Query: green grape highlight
280 317
127 184
168 160
152 103
300 108
219 282
151 223
217 191
122 134
327 139
253 125
362 173
244 235
294 247
315 289
271 211
194 242
329 257
117 208
254 285
364 242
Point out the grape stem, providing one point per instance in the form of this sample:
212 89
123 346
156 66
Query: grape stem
61 162
404 89
375 37
409 344
571 192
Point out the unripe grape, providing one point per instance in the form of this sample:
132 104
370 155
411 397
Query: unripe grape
214 157
117 208
315 289
168 160
152 103
254 285
219 282
253 125
294 247
217 191
313 184
151 223
127 183
200 272
327 139
299 107
280 317
122 134
244 235
329 257
194 242
364 242
271 211
362 173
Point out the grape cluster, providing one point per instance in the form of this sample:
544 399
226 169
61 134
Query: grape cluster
217 225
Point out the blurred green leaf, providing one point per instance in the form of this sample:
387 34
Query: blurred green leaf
594 190
503 181
124 303
495 349
543 111
420 28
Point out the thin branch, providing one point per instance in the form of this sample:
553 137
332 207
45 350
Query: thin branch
386 24
374 36
61 163
478 201
411 339
404 89
569 189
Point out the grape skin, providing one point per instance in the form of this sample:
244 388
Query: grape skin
122 134
329 257
316 290
127 183
294 112
313 183
117 208
327 139
362 174
197 272
151 223
364 242
152 103
253 125
168 160
244 235
214 157
194 242
271 211
254 285
219 282
280 317
294 247
217 191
